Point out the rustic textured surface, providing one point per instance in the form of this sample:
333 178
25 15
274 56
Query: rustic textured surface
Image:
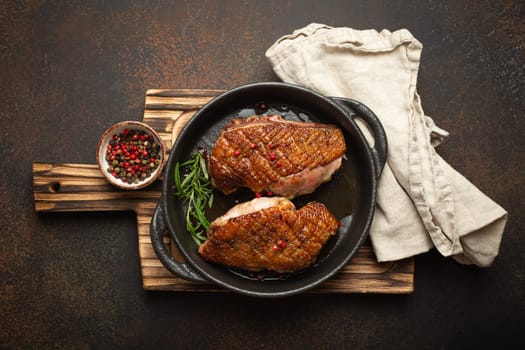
71 69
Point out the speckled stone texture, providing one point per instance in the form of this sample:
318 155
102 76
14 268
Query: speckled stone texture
71 69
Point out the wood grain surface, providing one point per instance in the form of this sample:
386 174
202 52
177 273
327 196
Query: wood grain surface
81 187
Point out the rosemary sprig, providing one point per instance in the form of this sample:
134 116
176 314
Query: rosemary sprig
194 188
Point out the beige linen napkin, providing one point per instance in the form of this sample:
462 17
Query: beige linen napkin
422 202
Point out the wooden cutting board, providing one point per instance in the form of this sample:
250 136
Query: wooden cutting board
82 187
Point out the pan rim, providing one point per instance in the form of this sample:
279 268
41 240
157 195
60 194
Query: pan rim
166 189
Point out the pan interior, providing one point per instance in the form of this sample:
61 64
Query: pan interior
346 195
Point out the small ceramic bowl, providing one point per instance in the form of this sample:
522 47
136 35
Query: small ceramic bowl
122 133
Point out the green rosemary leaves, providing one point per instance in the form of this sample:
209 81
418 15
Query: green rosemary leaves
193 186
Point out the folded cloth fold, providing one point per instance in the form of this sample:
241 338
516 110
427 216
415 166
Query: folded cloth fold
422 202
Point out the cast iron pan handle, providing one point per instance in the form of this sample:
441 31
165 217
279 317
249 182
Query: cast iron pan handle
157 229
356 109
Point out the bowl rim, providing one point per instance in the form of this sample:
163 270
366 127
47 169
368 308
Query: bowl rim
102 144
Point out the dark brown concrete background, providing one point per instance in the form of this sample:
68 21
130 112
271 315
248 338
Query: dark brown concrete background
70 69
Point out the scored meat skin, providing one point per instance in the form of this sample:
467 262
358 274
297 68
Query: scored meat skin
268 153
270 236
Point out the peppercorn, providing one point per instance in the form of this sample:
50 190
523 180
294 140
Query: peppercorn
132 155
261 108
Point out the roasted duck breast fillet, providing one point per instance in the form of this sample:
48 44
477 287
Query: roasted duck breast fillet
268 233
268 153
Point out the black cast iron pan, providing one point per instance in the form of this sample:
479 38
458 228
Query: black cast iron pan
350 195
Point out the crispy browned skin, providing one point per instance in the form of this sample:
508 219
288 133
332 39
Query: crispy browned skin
254 241
268 153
